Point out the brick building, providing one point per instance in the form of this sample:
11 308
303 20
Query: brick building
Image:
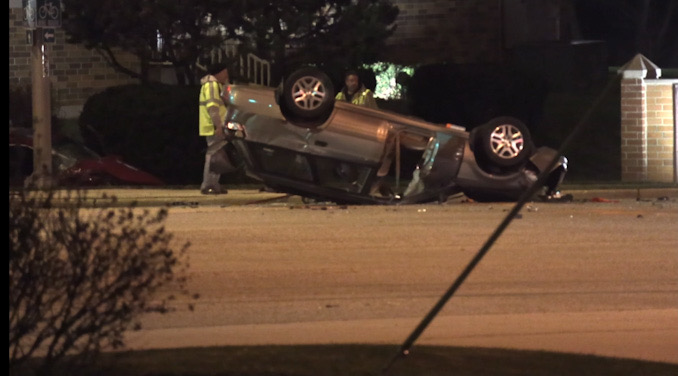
476 31
76 72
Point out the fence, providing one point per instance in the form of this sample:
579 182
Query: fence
250 66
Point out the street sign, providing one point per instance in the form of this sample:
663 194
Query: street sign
48 13
41 13
48 36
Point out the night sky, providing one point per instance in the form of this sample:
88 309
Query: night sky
631 26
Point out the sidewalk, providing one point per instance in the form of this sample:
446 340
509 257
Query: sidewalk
190 197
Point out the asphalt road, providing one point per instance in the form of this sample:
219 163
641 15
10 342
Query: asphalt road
598 275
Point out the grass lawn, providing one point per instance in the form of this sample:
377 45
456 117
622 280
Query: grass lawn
357 360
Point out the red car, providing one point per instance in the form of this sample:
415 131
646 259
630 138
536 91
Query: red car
73 164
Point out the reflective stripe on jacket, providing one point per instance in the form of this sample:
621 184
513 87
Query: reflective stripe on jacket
362 97
210 96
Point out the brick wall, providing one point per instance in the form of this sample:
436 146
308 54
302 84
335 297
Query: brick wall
660 130
456 31
76 73
633 130
648 129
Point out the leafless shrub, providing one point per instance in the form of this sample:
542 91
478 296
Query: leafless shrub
79 277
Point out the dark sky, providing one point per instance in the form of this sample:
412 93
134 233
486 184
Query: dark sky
631 26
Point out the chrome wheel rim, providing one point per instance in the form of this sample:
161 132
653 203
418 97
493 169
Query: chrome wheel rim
308 93
507 141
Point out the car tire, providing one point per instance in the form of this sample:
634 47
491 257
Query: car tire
503 142
308 94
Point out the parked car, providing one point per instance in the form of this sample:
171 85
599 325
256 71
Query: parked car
297 139
73 164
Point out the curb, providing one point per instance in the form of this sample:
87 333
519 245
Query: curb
173 197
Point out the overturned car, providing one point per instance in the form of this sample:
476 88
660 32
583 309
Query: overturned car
296 139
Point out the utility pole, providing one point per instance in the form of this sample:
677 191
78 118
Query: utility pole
42 114
40 17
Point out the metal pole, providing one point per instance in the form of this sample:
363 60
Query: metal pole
675 133
397 147
42 132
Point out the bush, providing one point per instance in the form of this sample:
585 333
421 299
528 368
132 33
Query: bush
78 279
154 128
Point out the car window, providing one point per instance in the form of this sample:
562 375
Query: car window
283 162
326 172
345 176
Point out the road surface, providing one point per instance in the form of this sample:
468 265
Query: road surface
583 277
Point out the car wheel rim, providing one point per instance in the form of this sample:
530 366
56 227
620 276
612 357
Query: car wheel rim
507 141
308 93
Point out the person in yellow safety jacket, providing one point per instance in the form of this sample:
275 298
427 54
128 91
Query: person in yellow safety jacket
355 92
212 114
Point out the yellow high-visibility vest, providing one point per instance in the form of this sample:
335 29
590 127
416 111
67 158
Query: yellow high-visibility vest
363 97
210 95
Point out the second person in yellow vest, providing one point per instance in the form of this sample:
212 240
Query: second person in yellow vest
354 91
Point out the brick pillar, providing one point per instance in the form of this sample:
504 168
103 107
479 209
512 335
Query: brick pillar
660 131
633 129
